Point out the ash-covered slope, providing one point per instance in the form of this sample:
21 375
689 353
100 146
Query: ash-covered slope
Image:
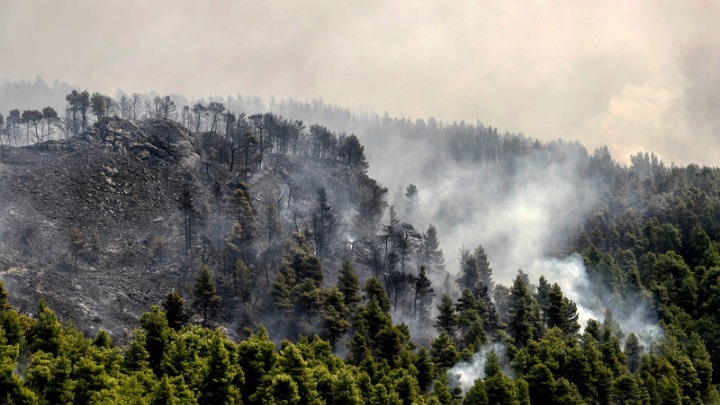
118 186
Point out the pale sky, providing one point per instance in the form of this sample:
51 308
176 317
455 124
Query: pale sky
635 75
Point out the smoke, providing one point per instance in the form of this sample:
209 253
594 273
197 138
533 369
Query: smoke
573 70
633 314
518 215
465 373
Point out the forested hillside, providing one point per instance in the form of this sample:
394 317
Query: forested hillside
203 253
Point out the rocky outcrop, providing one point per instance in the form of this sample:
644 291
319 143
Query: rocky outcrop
155 139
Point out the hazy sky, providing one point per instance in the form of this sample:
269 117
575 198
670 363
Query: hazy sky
630 74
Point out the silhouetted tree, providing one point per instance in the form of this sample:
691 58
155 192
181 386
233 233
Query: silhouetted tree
204 291
424 294
174 307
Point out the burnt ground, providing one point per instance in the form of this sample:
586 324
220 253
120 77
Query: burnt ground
120 194
119 185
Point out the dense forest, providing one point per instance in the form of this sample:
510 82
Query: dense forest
322 296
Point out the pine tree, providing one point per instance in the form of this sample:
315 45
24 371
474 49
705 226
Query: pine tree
282 289
425 369
46 332
291 362
204 291
303 262
9 319
423 296
444 353
242 280
412 202
446 320
374 290
543 290
156 329
335 315
525 319
349 284
432 255
470 272
500 389
256 356
561 312
476 395
164 393
441 391
633 351
483 266
102 339
12 389
219 386
173 305
542 384
345 390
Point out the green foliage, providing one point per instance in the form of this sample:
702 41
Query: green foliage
155 325
375 291
525 319
222 379
447 319
46 332
349 284
335 315
444 353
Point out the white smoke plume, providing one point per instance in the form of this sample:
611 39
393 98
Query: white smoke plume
465 373
633 315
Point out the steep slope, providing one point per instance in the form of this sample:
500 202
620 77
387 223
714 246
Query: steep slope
118 185
116 189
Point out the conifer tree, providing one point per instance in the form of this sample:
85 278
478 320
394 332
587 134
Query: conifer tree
633 351
374 290
156 329
282 289
349 284
335 315
219 386
525 319
204 291
256 356
500 389
561 312
432 255
423 296
173 305
425 369
446 320
476 395
46 332
242 280
483 266
9 318
345 390
469 271
12 389
164 393
291 362
444 353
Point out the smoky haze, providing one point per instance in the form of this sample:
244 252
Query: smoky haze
632 75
